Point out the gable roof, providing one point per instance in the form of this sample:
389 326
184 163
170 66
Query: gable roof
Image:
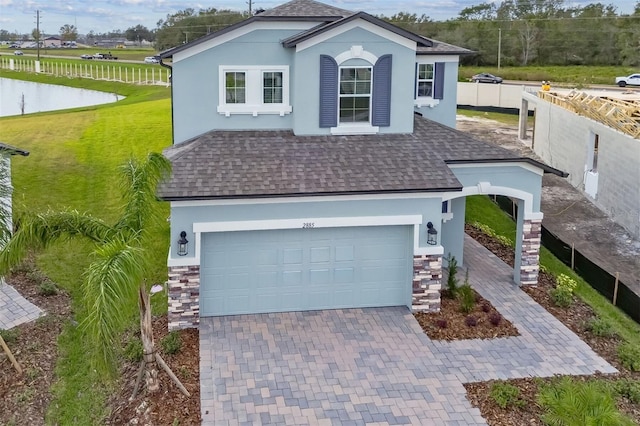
293 41
307 8
12 150
255 164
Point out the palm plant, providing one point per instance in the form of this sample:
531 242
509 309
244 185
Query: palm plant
114 282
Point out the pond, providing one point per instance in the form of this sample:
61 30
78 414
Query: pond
24 97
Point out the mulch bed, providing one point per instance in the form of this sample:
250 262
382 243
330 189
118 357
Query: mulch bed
24 399
168 406
575 318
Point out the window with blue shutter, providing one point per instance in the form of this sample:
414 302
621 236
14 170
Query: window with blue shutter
381 102
328 91
438 83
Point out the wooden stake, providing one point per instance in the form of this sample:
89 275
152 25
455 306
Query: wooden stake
10 355
166 368
573 256
615 289
138 380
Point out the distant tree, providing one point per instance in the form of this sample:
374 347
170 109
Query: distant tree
68 32
188 24
483 11
4 35
37 35
139 33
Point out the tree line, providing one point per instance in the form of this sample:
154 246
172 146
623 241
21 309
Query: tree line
509 33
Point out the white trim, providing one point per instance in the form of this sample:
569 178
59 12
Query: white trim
485 188
428 59
356 52
426 101
301 223
431 250
254 104
527 166
355 129
224 38
309 199
359 23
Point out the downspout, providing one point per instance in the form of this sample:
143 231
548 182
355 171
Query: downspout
170 68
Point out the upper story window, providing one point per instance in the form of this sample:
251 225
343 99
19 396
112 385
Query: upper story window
425 80
355 95
254 90
429 83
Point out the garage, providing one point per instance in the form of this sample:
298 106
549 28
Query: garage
305 269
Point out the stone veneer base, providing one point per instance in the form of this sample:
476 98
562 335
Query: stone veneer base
184 297
531 240
427 283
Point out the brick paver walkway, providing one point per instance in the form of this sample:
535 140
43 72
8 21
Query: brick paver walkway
15 309
361 366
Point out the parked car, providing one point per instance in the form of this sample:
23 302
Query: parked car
632 80
86 56
18 52
486 78
151 60
14 46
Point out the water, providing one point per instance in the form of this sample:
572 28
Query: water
40 97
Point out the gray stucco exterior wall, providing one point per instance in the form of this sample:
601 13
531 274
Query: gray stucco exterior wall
453 231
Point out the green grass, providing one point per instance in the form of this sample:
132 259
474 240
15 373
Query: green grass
572 75
482 209
73 163
129 54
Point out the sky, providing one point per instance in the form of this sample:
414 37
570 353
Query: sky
106 15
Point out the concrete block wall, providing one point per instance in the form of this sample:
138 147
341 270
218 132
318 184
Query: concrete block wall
427 283
562 140
184 297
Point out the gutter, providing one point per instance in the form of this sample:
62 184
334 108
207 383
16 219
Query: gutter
170 68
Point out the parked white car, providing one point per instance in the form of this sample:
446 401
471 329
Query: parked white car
151 60
632 80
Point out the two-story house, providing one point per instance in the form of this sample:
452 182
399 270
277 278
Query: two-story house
316 166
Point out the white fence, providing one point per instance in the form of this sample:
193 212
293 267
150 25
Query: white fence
152 75
493 95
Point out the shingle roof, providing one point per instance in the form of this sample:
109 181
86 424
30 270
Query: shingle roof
307 8
234 164
12 150
440 48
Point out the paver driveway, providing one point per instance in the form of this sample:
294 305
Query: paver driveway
360 366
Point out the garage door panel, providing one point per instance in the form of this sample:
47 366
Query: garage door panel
304 269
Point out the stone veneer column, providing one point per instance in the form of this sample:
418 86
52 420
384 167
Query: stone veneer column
530 263
184 297
427 282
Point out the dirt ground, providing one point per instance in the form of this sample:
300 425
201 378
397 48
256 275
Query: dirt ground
568 213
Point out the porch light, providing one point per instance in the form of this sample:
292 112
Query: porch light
432 234
183 247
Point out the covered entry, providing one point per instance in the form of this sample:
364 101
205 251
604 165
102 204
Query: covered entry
305 269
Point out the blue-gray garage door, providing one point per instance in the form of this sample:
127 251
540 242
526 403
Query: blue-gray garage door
305 269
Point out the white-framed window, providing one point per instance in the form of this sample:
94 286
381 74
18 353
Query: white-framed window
254 90
425 85
355 95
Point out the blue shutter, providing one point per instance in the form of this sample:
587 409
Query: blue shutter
438 84
381 102
328 91
415 84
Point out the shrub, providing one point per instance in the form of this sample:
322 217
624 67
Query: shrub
133 351
9 336
171 343
600 327
471 321
467 298
452 279
442 323
495 319
486 307
569 403
36 276
629 355
629 389
47 288
562 293
505 395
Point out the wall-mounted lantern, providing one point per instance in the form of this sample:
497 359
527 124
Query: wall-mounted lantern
183 244
432 234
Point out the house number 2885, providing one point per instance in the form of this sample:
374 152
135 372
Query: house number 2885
308 225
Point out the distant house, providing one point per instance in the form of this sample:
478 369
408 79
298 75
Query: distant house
316 166
53 41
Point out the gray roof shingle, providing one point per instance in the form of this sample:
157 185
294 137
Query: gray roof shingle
307 8
235 164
